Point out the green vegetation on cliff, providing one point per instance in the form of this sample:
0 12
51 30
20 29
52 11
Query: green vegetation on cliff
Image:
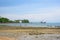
6 20
25 21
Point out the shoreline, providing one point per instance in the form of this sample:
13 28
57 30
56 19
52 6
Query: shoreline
22 33
30 29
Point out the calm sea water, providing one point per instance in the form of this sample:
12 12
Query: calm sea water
32 24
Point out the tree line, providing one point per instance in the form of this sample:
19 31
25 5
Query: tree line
6 20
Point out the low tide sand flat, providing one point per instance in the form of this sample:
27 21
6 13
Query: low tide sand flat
30 34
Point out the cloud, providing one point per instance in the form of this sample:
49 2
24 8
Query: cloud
36 17
35 14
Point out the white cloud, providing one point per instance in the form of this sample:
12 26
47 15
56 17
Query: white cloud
50 17
38 14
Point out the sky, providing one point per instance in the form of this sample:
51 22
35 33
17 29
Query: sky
33 10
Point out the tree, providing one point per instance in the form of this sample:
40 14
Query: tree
4 20
17 21
25 21
10 21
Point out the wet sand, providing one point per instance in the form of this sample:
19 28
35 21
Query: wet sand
39 37
30 34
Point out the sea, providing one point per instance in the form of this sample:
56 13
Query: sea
32 24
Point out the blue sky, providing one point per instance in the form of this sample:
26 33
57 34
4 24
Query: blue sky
34 10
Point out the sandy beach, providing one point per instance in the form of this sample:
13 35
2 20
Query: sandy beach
30 34
6 38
